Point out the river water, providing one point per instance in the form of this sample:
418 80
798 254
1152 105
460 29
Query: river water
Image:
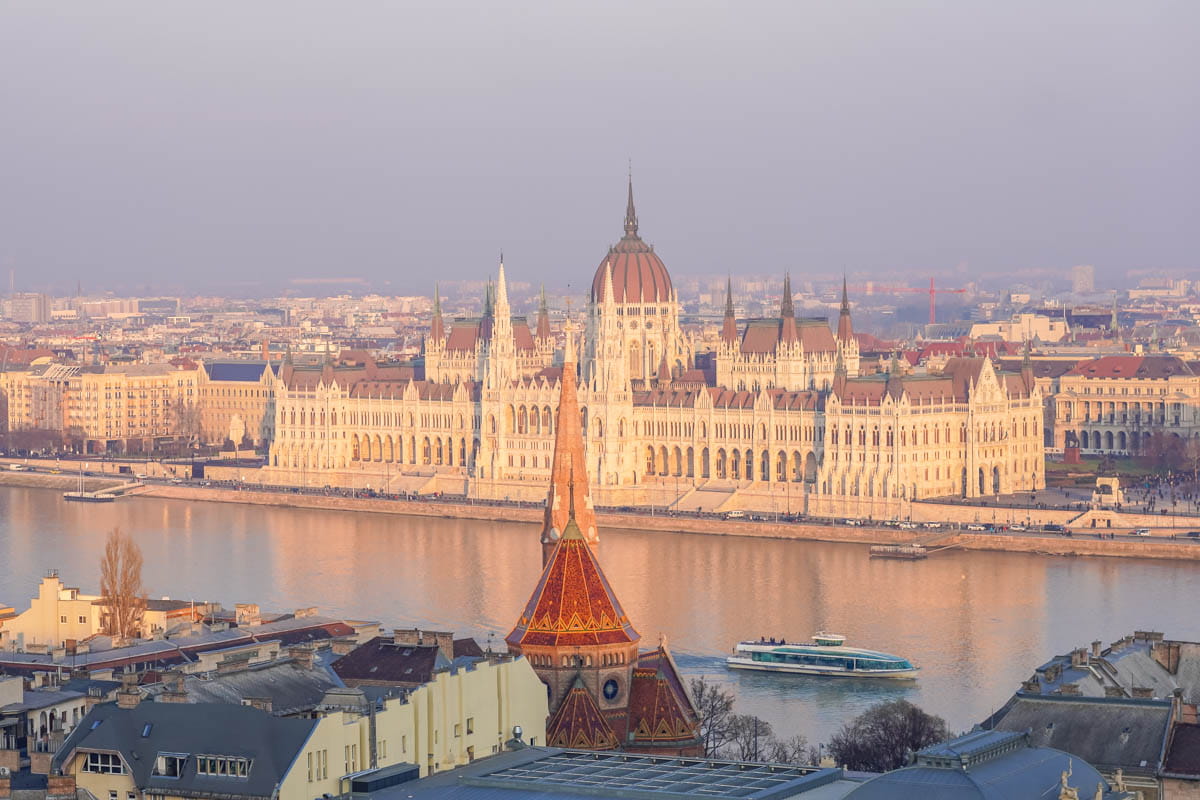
977 623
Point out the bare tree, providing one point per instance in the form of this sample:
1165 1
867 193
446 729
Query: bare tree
714 705
795 750
885 736
121 592
750 738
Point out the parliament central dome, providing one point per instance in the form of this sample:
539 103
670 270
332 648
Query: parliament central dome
638 274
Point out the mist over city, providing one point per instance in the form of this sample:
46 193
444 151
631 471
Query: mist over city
462 401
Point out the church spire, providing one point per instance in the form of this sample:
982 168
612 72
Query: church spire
567 498
787 313
543 317
729 325
845 330
631 222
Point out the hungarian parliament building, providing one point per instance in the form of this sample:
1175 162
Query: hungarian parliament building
778 419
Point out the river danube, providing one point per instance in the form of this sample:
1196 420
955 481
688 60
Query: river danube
977 623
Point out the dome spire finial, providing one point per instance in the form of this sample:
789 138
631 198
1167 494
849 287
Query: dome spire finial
631 223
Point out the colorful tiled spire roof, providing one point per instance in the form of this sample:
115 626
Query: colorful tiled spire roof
572 603
579 724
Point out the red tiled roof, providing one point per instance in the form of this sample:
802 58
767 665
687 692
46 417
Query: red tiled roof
572 603
660 708
1155 367
579 724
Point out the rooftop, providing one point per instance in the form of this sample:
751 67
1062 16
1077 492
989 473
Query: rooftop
551 773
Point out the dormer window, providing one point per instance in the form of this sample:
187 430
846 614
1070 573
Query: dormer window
223 766
170 765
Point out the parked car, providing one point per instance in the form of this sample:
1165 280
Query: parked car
1018 528
1052 528
908 526
975 526
1193 534
18 467
1141 532
735 514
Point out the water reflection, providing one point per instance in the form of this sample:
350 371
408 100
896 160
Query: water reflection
977 623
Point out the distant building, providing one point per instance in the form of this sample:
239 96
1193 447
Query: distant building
969 432
743 425
237 403
29 307
1114 404
1083 279
1024 328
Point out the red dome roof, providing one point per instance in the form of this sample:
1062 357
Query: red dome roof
638 274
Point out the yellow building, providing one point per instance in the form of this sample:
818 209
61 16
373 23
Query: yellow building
121 408
58 613
237 403
166 750
891 439
1113 404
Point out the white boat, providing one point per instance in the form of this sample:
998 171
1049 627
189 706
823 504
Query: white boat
827 654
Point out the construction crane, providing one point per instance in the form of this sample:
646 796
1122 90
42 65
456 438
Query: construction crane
932 291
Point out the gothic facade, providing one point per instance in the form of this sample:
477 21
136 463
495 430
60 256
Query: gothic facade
481 420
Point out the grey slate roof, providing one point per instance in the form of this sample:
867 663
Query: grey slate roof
141 733
291 688
1015 771
235 371
1106 732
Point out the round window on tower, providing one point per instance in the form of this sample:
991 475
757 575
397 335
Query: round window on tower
611 689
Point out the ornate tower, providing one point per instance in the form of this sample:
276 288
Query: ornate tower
574 631
568 497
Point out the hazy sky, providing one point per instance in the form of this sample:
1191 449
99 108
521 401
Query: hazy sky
219 144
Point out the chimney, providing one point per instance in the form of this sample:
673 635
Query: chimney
1177 705
302 655
1113 691
129 695
60 787
95 696
266 349
341 647
1096 649
1071 689
309 611
261 703
5 787
176 690
1078 657
1033 685
247 614
1143 692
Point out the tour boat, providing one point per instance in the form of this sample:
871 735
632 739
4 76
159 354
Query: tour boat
827 654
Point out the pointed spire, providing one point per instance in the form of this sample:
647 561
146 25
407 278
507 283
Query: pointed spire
567 499
631 222
543 317
787 314
729 324
845 331
501 290
608 297
664 371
